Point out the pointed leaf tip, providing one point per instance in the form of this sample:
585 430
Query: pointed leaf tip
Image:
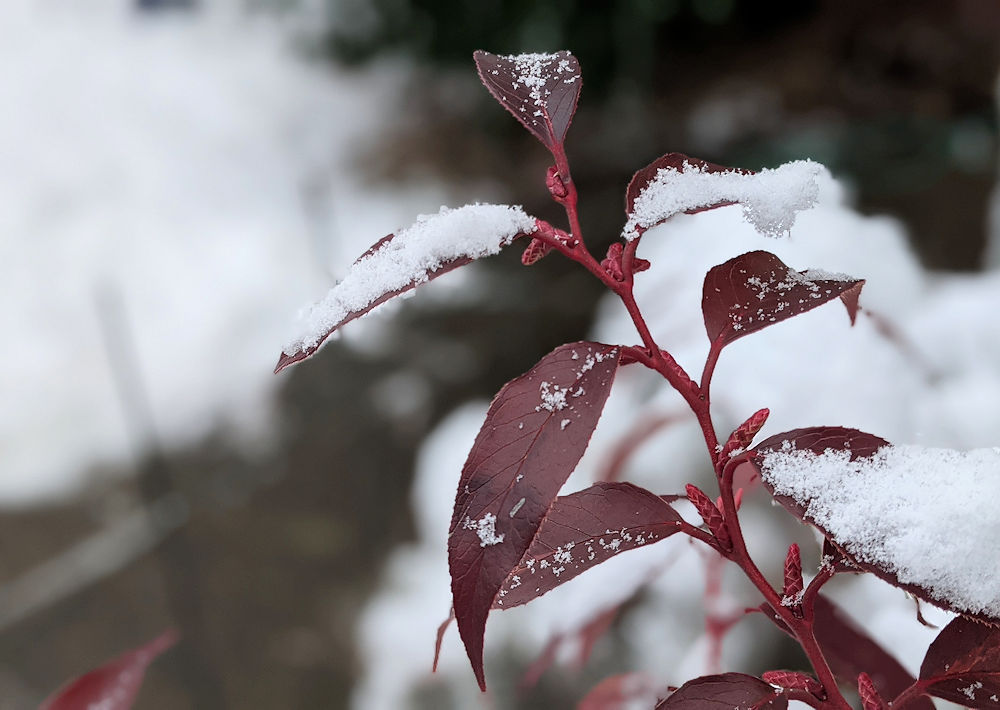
535 432
113 686
755 290
539 90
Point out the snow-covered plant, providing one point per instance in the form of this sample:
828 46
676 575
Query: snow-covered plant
922 519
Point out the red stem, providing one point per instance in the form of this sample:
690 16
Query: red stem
698 399
801 627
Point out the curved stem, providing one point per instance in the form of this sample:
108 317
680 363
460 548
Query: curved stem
801 627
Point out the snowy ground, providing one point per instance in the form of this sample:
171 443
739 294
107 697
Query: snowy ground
184 181
936 384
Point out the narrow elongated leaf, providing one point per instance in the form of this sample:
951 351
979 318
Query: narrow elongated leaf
539 90
963 664
583 530
535 432
618 692
756 289
400 262
113 686
916 517
729 691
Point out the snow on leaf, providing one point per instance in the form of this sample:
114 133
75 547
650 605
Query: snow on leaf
519 461
729 691
399 262
582 530
675 184
539 90
113 686
917 517
963 664
754 290
616 692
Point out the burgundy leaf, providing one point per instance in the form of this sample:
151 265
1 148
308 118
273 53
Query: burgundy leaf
113 686
535 432
397 263
729 691
680 163
285 359
618 692
860 445
850 652
962 664
756 289
539 90
583 530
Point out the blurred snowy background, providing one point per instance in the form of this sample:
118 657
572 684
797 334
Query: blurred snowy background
180 177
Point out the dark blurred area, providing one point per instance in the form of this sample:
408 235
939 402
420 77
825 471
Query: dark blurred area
269 560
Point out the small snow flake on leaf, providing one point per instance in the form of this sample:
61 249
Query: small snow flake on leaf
755 290
584 529
539 90
521 457
963 664
729 691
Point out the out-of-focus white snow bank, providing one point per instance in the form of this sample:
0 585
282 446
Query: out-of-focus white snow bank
196 169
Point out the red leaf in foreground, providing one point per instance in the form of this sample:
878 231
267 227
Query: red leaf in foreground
539 90
397 263
962 664
819 440
754 290
113 686
535 432
678 162
729 691
583 530
618 692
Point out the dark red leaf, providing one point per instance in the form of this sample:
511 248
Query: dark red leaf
535 432
583 530
680 163
113 686
540 90
850 652
963 664
729 691
754 290
618 692
861 445
443 267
